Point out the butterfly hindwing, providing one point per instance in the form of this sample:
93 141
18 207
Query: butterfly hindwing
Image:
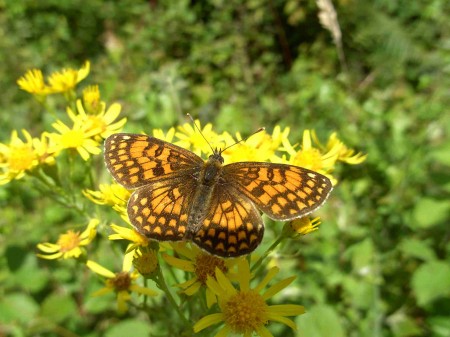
232 226
160 210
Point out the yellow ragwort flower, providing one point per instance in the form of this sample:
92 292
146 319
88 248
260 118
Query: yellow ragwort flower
130 234
69 244
168 137
91 100
66 79
75 138
190 138
346 154
33 82
244 311
109 194
17 157
122 283
145 260
301 226
101 125
201 265
312 158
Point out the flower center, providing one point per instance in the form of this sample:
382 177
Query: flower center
121 282
21 158
72 139
310 158
96 123
206 264
245 312
146 262
69 241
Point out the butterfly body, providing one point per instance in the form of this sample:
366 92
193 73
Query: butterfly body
179 196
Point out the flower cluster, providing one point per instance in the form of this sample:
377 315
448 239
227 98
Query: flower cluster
88 124
222 287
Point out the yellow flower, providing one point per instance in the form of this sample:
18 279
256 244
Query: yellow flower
168 137
244 311
201 265
17 157
258 147
109 194
190 138
345 154
66 79
122 283
76 138
91 99
43 148
123 233
301 226
145 260
312 158
33 82
69 244
101 125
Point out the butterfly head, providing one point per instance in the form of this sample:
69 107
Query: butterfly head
216 156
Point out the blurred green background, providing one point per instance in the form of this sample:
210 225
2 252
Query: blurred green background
378 266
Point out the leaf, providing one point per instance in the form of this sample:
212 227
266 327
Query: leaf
430 212
320 321
431 281
440 325
130 327
417 249
17 307
57 307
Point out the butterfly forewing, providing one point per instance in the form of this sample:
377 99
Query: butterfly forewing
232 227
137 160
283 192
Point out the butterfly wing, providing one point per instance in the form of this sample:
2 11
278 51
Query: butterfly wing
283 192
160 210
232 227
137 160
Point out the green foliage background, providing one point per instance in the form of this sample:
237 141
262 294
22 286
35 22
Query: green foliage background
378 266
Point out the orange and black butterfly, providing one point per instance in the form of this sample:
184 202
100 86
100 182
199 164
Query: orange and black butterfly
179 196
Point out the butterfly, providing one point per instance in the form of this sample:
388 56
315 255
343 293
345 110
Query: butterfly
179 196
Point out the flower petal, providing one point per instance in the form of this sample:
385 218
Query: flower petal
96 268
207 321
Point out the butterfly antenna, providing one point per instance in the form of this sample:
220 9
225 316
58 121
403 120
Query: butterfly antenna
244 139
200 131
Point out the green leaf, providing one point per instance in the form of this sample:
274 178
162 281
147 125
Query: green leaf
403 325
440 325
57 307
130 327
430 212
431 281
320 321
417 249
17 307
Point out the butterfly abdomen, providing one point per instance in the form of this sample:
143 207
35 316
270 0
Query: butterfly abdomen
207 182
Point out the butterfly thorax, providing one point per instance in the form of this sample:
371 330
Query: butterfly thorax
207 180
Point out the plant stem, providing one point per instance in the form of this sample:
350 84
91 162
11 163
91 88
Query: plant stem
160 281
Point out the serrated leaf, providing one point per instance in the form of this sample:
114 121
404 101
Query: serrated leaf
431 281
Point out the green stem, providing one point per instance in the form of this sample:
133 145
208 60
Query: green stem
267 252
160 281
